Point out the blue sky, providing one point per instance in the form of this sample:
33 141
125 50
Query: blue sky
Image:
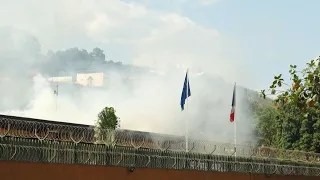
247 41
273 34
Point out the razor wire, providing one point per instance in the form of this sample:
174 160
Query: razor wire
57 131
91 154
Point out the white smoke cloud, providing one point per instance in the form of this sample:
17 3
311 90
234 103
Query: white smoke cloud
156 39
153 106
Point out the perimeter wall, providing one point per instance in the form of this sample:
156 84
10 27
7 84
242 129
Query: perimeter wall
10 170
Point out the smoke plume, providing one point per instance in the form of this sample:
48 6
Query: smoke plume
161 44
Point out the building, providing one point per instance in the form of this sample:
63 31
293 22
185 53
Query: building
90 79
59 79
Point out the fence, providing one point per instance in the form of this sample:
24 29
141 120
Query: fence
47 130
29 150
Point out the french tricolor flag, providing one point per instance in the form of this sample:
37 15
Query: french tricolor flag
233 105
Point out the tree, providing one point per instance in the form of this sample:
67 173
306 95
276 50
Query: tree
70 60
298 106
98 55
106 123
266 127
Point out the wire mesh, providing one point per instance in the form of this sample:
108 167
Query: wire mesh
31 150
46 130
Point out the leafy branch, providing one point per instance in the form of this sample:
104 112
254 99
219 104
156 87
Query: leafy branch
305 89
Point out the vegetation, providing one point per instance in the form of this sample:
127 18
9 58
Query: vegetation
294 121
107 119
74 60
20 63
107 122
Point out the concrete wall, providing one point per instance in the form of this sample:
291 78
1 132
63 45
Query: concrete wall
96 79
60 79
37 171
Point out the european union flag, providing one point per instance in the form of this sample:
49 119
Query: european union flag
186 92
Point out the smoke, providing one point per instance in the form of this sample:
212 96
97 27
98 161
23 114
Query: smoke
155 39
150 104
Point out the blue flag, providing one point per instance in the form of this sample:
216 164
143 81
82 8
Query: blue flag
186 92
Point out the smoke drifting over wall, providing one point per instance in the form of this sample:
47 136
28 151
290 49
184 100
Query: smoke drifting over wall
150 102
150 105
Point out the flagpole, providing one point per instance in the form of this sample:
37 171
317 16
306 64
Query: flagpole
184 100
187 122
235 136
235 125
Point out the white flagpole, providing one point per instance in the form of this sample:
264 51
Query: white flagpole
235 137
187 123
235 122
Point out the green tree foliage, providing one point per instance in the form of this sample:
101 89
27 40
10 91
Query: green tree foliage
98 55
107 119
266 128
295 120
106 123
72 60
